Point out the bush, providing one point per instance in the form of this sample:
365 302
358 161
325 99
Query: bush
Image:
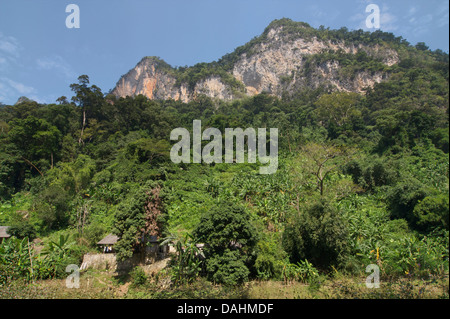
138 276
229 240
52 207
270 256
319 235
228 268
432 212
404 197
303 271
93 233
411 256
371 173
23 230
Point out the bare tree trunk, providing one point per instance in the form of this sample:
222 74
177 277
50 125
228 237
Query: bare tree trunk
82 214
289 143
82 127
85 213
78 219
33 166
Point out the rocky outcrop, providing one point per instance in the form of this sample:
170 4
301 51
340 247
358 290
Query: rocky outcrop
149 79
23 99
152 78
275 64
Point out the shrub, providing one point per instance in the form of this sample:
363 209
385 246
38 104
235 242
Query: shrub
432 212
318 234
404 197
23 230
303 271
411 256
228 268
270 257
138 276
229 239
371 173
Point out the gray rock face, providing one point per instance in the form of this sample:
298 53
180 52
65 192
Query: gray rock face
274 65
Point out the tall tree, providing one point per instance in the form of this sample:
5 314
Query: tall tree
90 99
35 139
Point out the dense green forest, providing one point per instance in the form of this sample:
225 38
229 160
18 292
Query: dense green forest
362 179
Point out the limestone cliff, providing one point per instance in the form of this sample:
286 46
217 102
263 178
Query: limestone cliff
287 57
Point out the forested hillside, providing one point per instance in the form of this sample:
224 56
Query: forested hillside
362 177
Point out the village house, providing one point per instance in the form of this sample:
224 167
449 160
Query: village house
154 250
151 253
108 243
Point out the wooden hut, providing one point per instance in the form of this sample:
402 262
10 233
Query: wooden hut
153 250
108 243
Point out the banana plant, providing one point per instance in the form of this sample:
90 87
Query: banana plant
15 259
186 264
55 254
58 248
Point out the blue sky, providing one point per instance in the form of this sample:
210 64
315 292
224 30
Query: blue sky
40 57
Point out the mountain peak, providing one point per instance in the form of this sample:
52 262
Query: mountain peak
156 61
288 56
23 99
286 22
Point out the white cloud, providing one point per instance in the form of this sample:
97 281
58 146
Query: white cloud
419 23
9 45
20 87
358 17
442 13
9 51
3 96
388 21
412 10
11 90
318 15
56 63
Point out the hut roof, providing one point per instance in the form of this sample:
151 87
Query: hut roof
3 232
108 240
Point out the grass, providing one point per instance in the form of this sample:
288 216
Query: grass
279 290
352 288
93 285
104 285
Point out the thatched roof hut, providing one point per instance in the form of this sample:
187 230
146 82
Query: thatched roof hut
109 240
108 243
